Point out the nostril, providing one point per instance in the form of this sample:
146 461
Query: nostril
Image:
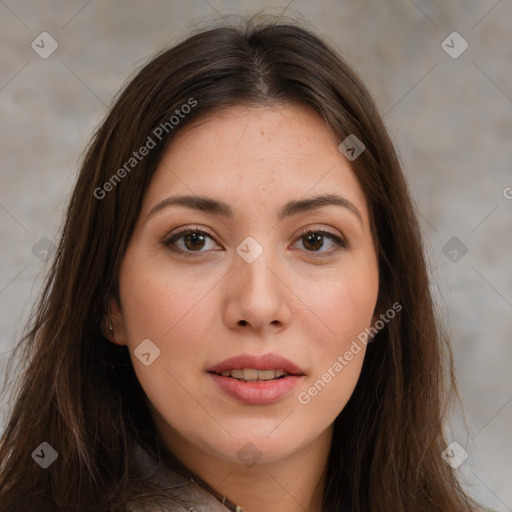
242 322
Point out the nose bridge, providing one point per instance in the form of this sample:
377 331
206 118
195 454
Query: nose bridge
254 263
256 294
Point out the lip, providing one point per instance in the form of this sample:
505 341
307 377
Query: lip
257 393
258 362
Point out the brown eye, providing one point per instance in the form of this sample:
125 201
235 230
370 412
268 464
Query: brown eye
314 241
187 241
194 241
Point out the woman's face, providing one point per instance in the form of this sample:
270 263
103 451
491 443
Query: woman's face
249 281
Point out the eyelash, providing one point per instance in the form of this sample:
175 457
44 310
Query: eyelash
170 239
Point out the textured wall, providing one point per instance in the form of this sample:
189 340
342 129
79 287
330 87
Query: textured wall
450 114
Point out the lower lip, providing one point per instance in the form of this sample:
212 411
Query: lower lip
257 393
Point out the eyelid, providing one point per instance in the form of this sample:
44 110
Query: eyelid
176 233
321 229
186 229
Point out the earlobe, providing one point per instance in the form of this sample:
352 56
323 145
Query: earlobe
112 323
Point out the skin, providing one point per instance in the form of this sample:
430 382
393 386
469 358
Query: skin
304 302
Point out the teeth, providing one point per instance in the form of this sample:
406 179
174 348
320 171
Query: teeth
263 374
237 374
251 374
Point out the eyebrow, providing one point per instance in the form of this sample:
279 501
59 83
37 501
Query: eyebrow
216 207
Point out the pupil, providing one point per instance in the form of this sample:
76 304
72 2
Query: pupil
315 240
195 238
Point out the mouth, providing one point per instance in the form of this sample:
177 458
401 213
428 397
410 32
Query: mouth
250 367
256 379
255 375
251 386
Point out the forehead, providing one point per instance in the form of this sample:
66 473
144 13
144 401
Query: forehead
273 153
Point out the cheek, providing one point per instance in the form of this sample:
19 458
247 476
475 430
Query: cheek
167 308
161 303
338 355
344 305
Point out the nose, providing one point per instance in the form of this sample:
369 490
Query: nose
256 295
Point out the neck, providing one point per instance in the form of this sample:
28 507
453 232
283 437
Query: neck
292 484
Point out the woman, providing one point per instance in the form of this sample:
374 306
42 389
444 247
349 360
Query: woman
238 316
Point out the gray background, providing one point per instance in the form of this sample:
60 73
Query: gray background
451 119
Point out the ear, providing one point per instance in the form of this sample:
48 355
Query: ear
112 325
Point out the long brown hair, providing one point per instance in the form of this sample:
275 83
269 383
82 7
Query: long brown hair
79 393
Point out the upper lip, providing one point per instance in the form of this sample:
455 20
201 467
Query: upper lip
257 362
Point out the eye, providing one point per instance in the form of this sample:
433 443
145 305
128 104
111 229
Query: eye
314 240
190 240
187 241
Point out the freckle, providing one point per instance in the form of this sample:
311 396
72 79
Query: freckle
262 133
